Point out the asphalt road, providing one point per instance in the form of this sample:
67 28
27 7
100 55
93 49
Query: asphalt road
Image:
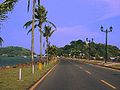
74 75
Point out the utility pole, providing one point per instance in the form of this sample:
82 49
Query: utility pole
106 33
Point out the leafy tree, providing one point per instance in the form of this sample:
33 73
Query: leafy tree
52 51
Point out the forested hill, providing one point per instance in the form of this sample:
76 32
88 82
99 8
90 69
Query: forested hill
14 51
81 48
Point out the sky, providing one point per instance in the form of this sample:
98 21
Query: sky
75 19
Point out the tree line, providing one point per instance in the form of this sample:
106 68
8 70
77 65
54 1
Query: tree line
81 49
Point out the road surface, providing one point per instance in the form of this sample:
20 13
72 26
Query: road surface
74 75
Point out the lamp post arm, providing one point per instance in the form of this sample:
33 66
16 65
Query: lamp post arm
103 31
110 31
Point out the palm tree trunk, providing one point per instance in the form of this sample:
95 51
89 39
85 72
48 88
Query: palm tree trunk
39 2
40 42
40 58
47 48
32 41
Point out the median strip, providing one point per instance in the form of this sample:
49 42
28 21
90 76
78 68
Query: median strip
113 87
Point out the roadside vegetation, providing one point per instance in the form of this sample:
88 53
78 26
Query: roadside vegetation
9 77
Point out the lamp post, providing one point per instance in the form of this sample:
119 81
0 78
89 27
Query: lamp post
88 42
106 32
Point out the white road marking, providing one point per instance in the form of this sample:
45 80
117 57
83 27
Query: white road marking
113 87
88 72
76 65
80 67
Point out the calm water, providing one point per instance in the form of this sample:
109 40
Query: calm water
11 61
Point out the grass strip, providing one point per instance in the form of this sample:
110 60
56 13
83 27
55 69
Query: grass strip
9 77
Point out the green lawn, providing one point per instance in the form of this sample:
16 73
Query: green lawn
9 77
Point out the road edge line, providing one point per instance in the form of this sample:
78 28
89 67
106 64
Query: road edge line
105 67
102 66
42 78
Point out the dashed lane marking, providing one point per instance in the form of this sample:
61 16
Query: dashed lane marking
80 67
113 87
88 72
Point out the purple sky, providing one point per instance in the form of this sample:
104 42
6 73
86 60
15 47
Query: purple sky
75 19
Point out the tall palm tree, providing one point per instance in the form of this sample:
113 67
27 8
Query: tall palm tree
32 34
40 20
41 17
47 33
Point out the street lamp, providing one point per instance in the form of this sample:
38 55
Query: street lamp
106 32
88 41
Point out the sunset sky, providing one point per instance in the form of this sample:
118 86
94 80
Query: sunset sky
75 19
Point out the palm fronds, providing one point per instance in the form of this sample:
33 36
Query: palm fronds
1 41
5 7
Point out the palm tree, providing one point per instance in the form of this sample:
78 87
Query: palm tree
1 41
32 34
47 33
41 17
40 20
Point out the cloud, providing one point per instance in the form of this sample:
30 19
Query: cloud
77 31
67 34
113 7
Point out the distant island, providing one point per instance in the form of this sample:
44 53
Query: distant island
13 55
12 51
